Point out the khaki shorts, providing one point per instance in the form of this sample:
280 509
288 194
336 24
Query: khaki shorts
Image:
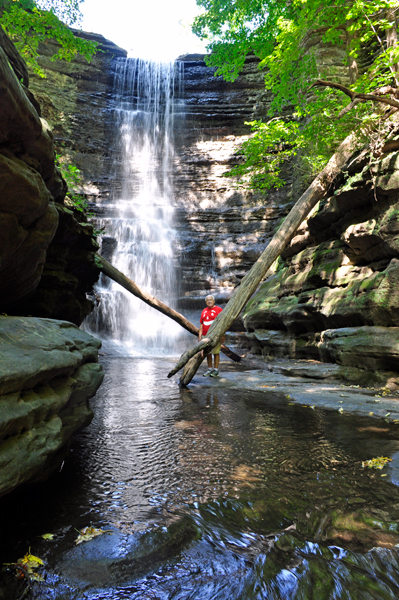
217 349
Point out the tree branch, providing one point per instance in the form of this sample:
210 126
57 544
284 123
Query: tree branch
349 107
354 95
185 357
129 285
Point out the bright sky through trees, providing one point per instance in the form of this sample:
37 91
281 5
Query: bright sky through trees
154 29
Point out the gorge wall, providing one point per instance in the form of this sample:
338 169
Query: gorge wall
48 368
333 296
220 229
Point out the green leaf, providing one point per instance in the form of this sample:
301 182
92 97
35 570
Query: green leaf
288 38
28 25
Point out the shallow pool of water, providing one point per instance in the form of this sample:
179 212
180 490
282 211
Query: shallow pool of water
210 494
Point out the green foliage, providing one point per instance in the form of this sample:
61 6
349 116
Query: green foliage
285 36
265 153
28 25
233 28
73 177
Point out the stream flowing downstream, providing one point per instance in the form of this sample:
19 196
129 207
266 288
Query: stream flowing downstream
211 494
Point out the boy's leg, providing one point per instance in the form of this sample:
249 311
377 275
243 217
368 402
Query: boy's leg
209 370
215 372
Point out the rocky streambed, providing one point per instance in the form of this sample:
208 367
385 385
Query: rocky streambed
226 490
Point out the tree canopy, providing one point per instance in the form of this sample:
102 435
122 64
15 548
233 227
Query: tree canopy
286 35
31 22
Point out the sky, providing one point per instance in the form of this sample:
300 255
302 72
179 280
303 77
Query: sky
156 29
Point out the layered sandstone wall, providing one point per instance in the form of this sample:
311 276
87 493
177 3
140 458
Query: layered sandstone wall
335 294
76 100
222 227
48 369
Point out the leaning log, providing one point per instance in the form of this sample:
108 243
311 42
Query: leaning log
132 287
282 237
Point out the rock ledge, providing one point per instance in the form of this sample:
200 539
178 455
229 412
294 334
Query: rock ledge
48 372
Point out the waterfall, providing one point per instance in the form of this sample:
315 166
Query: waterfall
138 222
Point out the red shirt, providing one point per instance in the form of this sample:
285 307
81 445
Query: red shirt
208 315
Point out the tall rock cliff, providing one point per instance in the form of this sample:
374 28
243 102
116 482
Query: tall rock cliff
47 255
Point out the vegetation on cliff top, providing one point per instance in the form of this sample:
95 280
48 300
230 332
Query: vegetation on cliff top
287 37
29 23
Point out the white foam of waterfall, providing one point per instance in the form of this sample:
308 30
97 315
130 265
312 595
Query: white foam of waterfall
139 221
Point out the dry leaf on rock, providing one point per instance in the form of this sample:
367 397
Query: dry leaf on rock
88 533
376 463
29 564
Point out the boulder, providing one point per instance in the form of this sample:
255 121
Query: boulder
48 372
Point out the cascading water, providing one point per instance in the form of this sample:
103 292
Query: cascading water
138 222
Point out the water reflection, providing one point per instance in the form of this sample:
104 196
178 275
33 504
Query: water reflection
211 494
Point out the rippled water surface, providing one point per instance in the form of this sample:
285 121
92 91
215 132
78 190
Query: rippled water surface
211 494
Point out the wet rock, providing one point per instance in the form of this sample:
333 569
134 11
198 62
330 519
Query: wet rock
69 273
362 529
48 372
119 558
370 348
371 352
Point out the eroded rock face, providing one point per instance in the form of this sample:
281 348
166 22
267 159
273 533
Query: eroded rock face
341 269
335 296
48 372
28 219
36 278
222 228
76 100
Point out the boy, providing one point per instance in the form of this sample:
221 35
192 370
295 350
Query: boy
208 315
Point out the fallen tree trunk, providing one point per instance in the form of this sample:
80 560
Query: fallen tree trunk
282 237
132 287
